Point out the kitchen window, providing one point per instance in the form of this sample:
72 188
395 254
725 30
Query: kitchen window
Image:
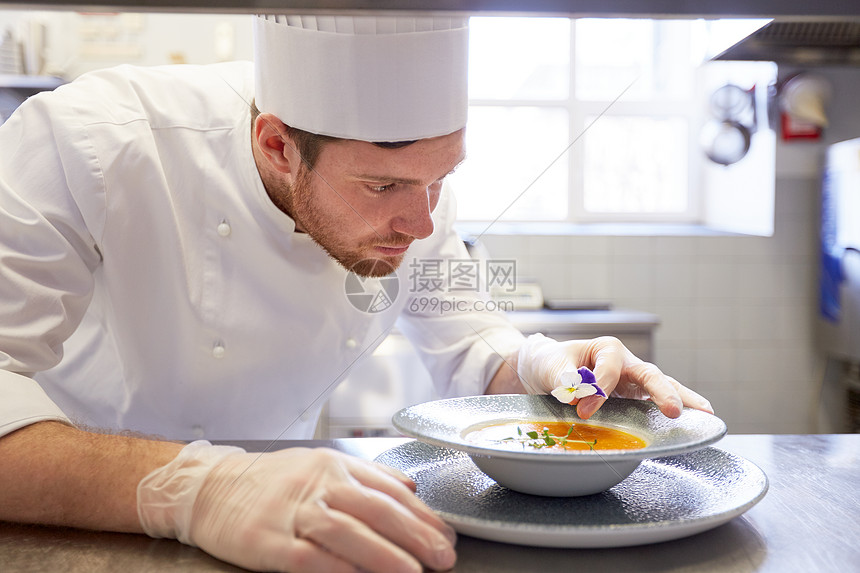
592 120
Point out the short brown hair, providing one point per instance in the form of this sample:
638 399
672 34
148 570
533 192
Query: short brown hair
309 145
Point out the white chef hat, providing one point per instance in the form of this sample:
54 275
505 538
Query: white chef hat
372 78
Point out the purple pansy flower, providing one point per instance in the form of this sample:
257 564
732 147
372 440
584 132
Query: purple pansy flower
576 385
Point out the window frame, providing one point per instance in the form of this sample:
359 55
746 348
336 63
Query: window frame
577 113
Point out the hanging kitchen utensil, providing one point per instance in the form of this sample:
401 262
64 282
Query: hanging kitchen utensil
730 102
726 142
727 137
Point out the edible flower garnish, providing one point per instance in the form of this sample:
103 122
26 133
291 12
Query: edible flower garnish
546 440
576 385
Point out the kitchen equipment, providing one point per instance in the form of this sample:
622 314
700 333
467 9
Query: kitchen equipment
802 101
577 304
525 295
726 142
11 57
727 137
839 290
806 42
804 95
839 276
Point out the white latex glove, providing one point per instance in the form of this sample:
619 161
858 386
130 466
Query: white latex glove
293 510
541 362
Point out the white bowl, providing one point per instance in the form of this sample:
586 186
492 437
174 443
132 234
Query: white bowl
547 472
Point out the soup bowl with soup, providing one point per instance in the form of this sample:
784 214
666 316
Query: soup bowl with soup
535 444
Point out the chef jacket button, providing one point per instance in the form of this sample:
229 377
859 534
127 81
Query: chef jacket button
197 431
218 351
224 229
351 343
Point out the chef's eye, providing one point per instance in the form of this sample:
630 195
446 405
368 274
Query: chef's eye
381 188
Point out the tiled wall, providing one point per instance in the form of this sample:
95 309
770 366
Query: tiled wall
738 313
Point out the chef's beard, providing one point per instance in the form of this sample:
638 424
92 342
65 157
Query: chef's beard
297 201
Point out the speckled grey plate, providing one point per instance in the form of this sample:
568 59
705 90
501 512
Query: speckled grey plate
446 423
664 499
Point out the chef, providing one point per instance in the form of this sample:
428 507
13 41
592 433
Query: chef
176 245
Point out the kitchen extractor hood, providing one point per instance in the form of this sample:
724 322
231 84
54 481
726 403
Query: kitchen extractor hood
806 42
572 8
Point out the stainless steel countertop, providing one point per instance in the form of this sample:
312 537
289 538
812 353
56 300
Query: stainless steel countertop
807 522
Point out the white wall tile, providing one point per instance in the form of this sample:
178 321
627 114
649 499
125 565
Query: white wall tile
631 280
797 197
793 281
724 403
759 250
674 281
674 250
711 249
506 246
677 325
798 161
756 320
715 280
545 248
755 368
716 369
794 417
795 237
680 364
759 410
636 249
581 246
798 370
589 279
554 277
715 322
757 281
794 321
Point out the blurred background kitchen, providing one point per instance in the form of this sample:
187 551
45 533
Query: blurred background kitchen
685 217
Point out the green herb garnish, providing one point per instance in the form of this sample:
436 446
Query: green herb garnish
546 440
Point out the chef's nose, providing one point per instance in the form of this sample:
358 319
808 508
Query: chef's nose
413 217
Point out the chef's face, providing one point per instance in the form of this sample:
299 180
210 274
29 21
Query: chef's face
365 204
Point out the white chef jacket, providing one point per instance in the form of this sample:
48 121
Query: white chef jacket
148 283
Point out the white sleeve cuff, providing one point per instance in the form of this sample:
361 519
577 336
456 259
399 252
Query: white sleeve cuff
23 402
496 347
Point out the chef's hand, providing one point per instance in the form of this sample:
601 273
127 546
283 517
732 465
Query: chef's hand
542 360
294 510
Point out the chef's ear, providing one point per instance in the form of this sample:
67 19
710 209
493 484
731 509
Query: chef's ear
274 142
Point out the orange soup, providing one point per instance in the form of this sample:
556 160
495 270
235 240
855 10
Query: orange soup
555 436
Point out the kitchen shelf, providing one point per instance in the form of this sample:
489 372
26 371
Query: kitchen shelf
22 82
